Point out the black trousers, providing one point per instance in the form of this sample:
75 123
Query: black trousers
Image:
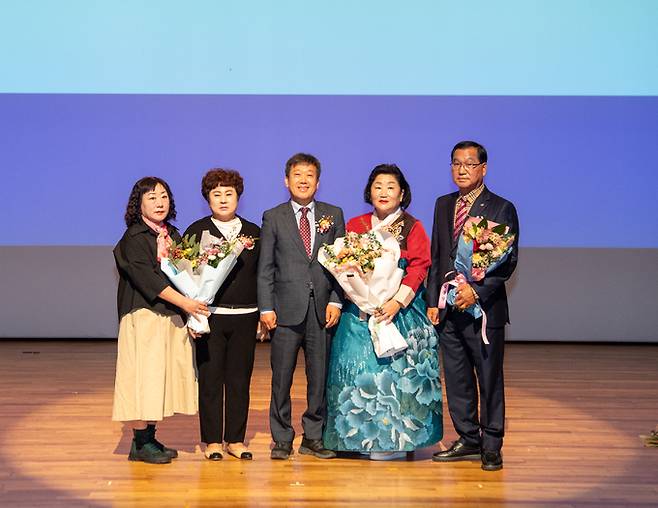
287 340
225 361
469 364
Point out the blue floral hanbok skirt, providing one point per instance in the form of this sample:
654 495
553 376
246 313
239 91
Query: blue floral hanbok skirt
384 404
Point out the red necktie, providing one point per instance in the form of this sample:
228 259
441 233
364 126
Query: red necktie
305 231
461 214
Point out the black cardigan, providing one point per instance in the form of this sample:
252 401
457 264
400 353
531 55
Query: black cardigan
239 288
140 277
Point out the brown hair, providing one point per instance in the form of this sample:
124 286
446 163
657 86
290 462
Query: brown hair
221 177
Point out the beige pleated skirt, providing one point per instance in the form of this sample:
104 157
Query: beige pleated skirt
156 374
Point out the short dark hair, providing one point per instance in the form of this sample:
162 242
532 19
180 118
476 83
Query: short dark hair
142 186
303 158
217 177
389 169
482 152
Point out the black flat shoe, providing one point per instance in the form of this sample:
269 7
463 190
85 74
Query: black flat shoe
282 450
214 456
458 451
316 448
492 461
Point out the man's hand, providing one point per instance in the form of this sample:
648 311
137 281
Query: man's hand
465 296
433 315
262 333
388 311
268 320
332 316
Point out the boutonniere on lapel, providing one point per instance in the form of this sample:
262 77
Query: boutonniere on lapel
324 223
247 241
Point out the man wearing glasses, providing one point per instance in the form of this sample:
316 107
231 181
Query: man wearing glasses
468 362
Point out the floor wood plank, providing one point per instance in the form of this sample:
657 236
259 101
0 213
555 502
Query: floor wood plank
574 413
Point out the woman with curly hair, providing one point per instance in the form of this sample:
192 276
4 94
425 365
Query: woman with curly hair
155 375
225 356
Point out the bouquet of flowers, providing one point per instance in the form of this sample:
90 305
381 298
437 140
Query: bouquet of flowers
483 246
366 267
198 269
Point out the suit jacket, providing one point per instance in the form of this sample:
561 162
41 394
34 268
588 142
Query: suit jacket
239 288
286 275
490 290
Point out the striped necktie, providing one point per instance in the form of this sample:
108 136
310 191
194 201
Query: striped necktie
461 214
305 230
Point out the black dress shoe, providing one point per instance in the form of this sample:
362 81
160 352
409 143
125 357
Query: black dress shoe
492 461
214 456
282 450
316 448
458 451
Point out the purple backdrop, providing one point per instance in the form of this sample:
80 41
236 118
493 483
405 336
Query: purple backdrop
581 170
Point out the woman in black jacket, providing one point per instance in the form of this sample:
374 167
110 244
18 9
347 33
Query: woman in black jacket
155 374
225 356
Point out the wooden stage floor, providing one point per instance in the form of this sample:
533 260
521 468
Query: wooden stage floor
574 413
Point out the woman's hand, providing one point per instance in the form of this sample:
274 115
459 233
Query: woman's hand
195 308
193 334
387 311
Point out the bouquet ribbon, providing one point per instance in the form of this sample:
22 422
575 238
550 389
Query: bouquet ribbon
451 287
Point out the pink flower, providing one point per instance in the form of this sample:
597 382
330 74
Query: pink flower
478 273
247 241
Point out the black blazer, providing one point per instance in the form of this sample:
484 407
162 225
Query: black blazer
239 288
491 289
140 277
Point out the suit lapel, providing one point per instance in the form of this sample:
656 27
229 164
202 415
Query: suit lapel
479 208
290 223
451 222
451 213
318 238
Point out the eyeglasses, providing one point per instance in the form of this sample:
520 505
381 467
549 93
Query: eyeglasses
468 166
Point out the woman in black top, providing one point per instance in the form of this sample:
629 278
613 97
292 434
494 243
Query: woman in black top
225 356
155 374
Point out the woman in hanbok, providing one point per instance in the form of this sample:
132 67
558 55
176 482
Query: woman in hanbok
387 407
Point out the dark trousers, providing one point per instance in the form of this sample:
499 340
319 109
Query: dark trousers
225 361
469 364
287 340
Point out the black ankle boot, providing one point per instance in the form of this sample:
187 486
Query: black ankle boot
170 452
143 449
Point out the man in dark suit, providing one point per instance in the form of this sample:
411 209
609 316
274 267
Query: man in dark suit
468 362
299 300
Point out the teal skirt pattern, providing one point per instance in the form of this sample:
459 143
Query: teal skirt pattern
384 404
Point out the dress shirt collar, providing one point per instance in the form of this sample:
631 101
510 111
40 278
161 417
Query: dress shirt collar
296 207
473 195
